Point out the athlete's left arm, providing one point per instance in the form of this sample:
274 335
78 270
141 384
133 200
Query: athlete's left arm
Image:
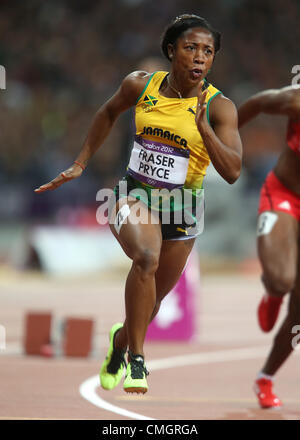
221 139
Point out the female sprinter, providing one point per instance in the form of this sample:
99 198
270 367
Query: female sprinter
181 124
278 235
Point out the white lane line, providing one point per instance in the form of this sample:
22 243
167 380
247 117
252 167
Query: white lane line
208 357
88 388
88 391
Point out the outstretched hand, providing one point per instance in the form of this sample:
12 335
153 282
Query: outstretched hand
71 173
201 118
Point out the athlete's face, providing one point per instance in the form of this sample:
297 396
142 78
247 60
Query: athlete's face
193 54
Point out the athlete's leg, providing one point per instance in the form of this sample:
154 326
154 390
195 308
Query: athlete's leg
173 257
277 250
141 241
172 260
282 345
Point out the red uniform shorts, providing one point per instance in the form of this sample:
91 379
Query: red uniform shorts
274 196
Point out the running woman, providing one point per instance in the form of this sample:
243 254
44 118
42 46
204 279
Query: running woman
278 235
182 123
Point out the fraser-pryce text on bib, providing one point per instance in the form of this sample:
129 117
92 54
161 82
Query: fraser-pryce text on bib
158 164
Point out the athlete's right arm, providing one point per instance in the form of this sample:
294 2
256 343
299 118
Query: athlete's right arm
285 101
124 98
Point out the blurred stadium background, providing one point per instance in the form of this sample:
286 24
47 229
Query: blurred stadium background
63 59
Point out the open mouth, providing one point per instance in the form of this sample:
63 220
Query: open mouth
196 73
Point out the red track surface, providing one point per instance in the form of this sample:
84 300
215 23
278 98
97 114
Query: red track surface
34 387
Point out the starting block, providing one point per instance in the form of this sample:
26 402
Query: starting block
37 331
78 337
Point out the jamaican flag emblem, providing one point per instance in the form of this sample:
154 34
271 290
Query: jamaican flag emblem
149 102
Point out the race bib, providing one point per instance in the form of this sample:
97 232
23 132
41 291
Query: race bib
157 164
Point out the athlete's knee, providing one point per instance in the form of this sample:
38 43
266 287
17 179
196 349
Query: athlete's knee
146 260
279 283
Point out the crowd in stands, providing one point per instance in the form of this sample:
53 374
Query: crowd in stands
64 58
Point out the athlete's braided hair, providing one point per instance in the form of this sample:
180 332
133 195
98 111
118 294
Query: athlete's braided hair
180 24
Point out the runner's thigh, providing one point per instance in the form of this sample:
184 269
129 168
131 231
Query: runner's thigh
135 227
277 242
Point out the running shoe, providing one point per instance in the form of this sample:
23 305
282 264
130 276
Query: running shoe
268 311
112 368
264 393
136 372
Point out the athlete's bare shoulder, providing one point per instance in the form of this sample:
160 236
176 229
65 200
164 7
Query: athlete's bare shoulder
128 93
293 89
292 95
222 100
134 83
222 109
140 75
285 101
289 92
